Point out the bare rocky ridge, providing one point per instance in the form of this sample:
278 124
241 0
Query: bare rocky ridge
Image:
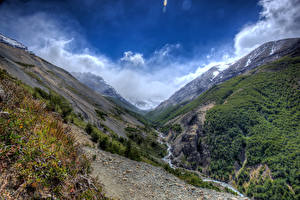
98 84
37 72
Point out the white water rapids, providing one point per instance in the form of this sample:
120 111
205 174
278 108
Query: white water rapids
167 159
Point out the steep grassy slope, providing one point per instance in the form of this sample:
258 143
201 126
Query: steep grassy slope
252 133
38 155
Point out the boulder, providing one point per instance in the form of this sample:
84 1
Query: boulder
2 94
4 115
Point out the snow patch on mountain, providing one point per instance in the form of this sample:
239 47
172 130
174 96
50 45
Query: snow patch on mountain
11 42
216 73
145 105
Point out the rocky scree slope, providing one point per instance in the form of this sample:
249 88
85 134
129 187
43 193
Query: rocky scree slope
266 53
245 131
126 179
38 73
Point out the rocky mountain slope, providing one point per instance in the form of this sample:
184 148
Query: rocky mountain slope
266 53
12 42
245 131
99 85
38 73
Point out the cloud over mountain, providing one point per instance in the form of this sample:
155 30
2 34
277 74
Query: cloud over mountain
279 19
135 59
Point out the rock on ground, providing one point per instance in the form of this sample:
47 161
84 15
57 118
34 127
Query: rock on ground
130 180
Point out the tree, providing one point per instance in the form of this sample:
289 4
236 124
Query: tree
89 128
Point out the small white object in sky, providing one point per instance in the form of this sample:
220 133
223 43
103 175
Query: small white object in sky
165 6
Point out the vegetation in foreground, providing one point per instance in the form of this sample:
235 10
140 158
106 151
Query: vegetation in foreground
38 157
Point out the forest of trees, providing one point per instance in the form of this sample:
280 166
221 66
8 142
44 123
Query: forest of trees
258 127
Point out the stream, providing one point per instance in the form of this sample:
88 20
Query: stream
167 159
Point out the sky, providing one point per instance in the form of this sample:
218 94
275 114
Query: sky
144 51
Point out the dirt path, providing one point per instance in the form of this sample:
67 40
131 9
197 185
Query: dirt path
129 180
125 179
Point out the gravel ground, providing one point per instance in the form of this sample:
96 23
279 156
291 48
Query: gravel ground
130 180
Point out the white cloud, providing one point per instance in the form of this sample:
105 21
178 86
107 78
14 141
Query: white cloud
135 85
133 58
279 19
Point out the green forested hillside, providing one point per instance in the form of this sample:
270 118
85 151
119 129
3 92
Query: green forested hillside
262 118
255 126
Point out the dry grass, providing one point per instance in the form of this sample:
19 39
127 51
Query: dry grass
38 155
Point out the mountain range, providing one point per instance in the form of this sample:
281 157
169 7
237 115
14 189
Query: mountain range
265 53
99 85
38 73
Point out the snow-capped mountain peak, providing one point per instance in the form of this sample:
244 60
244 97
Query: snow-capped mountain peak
267 52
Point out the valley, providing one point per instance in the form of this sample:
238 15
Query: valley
227 135
168 159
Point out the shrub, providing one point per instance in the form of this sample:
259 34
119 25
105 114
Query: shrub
101 114
95 137
89 128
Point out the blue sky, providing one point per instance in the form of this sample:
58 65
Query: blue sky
145 53
115 26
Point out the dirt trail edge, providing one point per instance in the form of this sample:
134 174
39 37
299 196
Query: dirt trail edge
125 179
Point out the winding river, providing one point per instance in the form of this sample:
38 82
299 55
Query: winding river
167 159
